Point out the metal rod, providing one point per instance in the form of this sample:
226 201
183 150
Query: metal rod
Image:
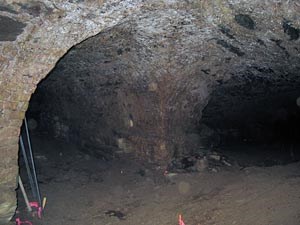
32 163
24 195
27 168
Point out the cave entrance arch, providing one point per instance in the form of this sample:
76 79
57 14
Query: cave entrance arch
31 45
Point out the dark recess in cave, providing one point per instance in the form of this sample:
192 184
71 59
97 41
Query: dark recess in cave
256 123
93 99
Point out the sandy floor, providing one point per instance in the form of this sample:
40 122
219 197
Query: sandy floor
84 190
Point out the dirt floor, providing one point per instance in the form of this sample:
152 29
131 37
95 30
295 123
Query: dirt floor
83 190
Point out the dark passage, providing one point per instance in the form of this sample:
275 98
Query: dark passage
255 124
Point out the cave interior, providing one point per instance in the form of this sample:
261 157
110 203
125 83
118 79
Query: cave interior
133 101
109 96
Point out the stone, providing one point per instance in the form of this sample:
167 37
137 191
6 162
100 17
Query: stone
214 170
170 177
215 157
226 163
201 164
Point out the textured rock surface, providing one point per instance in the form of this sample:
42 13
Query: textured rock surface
52 27
181 52
128 84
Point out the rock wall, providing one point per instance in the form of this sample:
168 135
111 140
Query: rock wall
41 33
114 92
191 47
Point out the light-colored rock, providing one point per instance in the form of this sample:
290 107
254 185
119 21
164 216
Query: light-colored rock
225 162
201 164
215 157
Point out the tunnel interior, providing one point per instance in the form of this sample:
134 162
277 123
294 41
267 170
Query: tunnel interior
109 95
258 119
133 107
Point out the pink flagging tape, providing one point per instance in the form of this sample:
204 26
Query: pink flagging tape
19 222
180 220
37 207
